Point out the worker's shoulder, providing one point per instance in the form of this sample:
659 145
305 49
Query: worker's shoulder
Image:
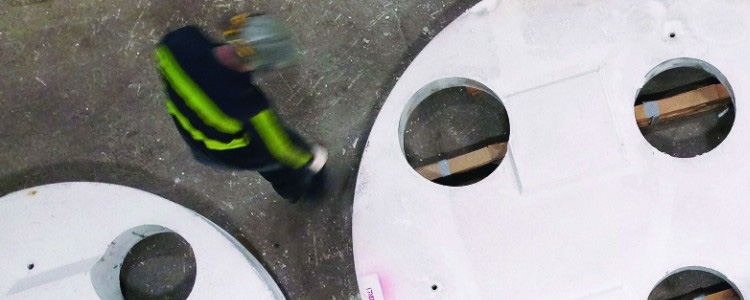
187 46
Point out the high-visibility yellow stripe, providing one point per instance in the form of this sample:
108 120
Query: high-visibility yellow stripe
199 136
194 97
278 142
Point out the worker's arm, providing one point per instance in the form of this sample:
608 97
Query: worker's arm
278 141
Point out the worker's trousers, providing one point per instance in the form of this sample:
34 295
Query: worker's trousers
287 182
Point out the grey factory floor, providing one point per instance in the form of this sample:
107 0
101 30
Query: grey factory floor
81 101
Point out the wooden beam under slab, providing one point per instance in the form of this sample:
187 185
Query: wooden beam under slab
729 294
678 106
685 104
464 163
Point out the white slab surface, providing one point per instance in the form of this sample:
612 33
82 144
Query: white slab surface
583 207
75 234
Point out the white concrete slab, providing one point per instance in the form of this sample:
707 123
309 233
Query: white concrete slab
583 207
77 235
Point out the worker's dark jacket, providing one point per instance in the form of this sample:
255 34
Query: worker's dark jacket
218 111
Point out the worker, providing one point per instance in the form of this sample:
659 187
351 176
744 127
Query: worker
226 119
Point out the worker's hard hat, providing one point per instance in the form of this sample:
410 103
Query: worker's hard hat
262 42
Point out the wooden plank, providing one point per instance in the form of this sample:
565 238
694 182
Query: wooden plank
686 104
681 105
729 294
466 162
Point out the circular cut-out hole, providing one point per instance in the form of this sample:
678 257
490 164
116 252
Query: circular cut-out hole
686 108
457 136
694 283
30 266
434 287
672 35
161 266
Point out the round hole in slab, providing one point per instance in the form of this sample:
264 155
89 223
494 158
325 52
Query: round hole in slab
455 132
145 262
672 35
434 287
685 108
695 283
161 266
30 266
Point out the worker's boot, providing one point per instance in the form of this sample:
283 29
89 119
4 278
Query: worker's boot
314 180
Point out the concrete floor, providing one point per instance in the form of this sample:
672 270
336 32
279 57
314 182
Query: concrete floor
81 101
